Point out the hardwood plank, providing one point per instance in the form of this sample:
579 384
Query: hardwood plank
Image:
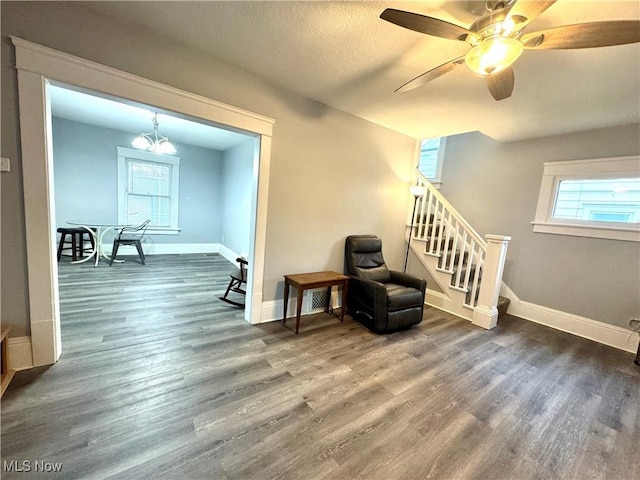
160 379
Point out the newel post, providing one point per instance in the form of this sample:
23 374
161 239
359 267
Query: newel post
485 314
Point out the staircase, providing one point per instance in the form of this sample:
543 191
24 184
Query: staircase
467 268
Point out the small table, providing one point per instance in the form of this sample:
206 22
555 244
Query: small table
98 230
305 281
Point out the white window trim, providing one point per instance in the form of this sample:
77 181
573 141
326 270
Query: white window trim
123 154
554 172
437 181
443 144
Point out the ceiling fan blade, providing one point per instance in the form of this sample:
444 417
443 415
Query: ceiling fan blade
501 84
524 11
427 25
585 35
430 75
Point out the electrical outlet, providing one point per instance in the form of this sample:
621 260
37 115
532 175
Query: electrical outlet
5 164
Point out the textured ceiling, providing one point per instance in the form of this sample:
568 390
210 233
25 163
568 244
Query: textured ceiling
135 118
343 55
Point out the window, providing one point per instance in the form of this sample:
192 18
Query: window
594 198
431 156
148 189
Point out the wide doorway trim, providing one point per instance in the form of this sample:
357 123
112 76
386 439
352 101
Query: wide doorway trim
36 66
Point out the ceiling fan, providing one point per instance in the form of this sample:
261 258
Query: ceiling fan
497 39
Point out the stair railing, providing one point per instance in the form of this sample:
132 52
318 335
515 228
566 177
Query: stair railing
461 252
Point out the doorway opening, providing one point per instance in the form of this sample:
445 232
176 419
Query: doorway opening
38 67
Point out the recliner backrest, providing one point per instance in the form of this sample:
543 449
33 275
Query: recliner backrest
363 258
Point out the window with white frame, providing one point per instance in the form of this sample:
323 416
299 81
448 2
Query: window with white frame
591 198
148 189
431 157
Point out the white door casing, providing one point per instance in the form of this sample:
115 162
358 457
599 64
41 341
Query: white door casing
38 65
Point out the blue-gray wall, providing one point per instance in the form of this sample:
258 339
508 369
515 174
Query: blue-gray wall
86 171
495 186
237 175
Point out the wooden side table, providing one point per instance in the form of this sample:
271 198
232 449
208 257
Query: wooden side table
306 281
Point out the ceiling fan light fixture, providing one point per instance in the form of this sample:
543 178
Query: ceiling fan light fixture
493 55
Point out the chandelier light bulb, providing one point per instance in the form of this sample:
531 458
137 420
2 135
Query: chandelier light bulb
153 141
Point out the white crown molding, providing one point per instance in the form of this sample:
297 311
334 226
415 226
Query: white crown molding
55 65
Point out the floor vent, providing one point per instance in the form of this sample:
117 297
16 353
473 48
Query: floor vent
318 299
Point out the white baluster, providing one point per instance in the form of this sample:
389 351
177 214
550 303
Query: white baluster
428 215
461 259
445 250
441 227
467 273
421 227
476 277
454 250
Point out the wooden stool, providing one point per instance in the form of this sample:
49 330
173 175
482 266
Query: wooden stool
76 238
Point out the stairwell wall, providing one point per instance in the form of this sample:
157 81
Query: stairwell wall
495 187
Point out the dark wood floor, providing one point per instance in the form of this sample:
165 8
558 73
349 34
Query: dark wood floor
159 379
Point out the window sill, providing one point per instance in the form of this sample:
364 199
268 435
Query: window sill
630 234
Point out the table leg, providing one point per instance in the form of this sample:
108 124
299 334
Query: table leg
101 252
286 301
344 299
100 234
95 249
328 308
299 308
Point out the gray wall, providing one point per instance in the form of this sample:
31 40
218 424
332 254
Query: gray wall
495 187
237 175
332 174
85 165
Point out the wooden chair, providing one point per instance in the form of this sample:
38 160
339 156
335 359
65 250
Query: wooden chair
238 279
130 236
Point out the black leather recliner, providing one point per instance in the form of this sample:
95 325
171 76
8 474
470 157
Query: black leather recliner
382 300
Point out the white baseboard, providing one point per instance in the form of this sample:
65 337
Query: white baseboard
178 248
584 327
168 248
443 302
274 309
227 253
600 332
19 355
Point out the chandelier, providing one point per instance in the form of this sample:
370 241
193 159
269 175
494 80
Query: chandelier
153 141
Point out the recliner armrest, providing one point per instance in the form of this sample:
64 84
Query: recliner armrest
374 292
408 280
